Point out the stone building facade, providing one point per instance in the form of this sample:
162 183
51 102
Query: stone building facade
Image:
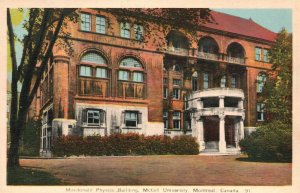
208 87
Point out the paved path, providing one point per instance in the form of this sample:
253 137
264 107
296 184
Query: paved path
164 170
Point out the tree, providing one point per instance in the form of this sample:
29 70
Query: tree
43 27
278 88
273 140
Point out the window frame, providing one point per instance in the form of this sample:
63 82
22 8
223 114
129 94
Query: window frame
177 119
166 92
125 27
266 56
223 81
85 66
87 117
260 82
258 53
165 119
128 75
102 28
176 93
138 35
234 77
83 22
205 80
260 112
101 68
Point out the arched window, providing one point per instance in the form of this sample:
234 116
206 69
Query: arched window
131 78
195 81
261 80
93 74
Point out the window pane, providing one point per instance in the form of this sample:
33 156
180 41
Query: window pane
93 57
100 24
205 80
101 73
223 82
266 55
123 75
177 82
138 77
125 30
233 81
257 53
85 71
138 31
131 63
85 22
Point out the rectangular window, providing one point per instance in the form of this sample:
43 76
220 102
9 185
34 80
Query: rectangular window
165 118
223 81
194 83
260 111
266 55
205 80
101 73
165 92
258 54
93 117
138 77
138 32
176 93
85 22
123 75
131 119
176 120
233 81
125 30
100 24
176 82
85 71
165 81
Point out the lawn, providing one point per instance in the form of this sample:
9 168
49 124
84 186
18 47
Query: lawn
30 176
157 170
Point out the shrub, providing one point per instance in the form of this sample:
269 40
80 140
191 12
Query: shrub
124 144
271 142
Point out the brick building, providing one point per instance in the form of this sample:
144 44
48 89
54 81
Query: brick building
208 87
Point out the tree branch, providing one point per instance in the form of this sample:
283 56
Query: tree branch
26 43
45 59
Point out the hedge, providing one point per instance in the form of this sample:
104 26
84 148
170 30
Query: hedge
124 144
271 142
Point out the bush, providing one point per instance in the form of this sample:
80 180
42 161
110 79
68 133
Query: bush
124 144
271 142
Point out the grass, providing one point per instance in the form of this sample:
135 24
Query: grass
30 176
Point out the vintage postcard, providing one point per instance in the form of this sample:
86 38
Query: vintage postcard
143 97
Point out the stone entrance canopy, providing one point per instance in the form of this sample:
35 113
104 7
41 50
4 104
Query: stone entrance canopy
221 103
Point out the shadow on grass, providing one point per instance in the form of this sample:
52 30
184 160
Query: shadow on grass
247 159
30 176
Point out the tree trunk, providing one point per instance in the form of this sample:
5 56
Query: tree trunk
13 158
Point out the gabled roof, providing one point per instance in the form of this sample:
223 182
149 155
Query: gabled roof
238 25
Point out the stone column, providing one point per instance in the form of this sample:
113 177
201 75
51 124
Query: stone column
200 134
222 142
236 133
200 103
241 128
241 103
221 101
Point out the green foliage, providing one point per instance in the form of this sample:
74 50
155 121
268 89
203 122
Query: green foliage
271 142
124 144
278 89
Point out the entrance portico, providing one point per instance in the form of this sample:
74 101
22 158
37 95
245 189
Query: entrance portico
218 126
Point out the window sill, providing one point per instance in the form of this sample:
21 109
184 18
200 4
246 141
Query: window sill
138 128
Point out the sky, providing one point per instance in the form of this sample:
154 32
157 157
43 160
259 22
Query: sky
273 19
